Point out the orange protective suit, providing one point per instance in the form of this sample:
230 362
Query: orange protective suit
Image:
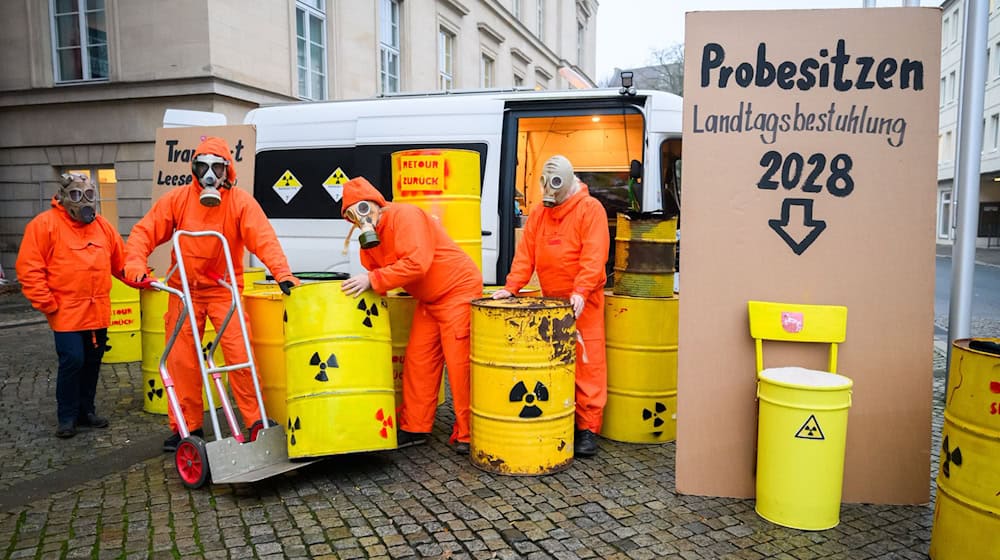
65 268
417 254
568 246
242 221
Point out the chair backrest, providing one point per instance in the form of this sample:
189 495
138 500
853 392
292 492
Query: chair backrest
795 322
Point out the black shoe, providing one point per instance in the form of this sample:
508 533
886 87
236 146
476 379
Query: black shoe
92 420
66 430
170 444
462 447
406 439
585 444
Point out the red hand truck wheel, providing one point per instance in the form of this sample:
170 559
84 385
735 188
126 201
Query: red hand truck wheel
191 460
257 426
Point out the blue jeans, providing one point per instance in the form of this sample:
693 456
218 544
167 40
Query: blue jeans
80 354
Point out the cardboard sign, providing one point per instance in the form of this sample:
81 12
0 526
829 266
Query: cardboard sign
810 160
172 166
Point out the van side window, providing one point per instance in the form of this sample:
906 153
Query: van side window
670 170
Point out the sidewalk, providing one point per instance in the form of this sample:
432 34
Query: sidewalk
989 257
112 494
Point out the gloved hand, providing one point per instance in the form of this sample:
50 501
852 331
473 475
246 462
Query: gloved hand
135 273
287 284
501 294
577 301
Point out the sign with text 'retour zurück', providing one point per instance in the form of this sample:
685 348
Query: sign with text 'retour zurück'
810 152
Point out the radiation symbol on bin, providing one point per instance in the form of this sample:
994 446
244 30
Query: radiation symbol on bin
810 430
292 427
519 393
386 420
153 391
949 456
206 351
317 361
654 415
370 311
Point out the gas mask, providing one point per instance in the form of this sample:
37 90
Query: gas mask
557 180
210 172
78 196
364 215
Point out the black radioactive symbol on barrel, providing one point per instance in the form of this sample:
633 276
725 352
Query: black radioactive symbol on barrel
370 311
654 417
292 427
519 393
153 391
330 362
949 457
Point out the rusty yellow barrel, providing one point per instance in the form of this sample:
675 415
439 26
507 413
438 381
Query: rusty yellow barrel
265 313
153 304
124 340
338 363
641 349
252 275
645 256
534 291
967 509
447 185
522 365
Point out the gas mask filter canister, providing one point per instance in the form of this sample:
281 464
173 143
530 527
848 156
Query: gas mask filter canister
210 172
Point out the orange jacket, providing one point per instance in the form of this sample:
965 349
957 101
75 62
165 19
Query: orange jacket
65 268
415 251
568 245
239 218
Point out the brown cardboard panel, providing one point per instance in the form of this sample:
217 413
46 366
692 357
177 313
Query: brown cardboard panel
172 166
873 253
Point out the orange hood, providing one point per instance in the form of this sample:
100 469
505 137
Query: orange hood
218 147
358 189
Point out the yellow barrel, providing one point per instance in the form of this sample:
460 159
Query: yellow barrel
124 341
252 275
967 509
338 359
801 437
523 408
265 312
447 185
641 349
645 253
153 304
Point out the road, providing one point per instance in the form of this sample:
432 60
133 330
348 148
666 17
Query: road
985 320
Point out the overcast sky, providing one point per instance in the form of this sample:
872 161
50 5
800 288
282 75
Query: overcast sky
627 30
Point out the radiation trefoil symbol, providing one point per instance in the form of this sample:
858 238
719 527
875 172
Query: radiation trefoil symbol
153 391
370 311
953 456
386 420
520 393
317 361
292 427
654 415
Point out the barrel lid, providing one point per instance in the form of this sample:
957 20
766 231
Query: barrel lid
528 302
264 293
321 276
802 377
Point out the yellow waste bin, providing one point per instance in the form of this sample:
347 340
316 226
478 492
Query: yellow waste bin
265 314
801 438
124 340
967 509
522 365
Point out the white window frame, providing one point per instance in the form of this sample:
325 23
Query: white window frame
389 46
952 87
84 45
540 19
487 70
310 12
518 79
516 10
446 58
945 210
994 132
581 34
955 25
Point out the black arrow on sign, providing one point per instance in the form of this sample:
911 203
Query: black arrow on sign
779 226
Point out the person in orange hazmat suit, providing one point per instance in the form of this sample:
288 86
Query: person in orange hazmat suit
566 240
65 264
403 246
208 202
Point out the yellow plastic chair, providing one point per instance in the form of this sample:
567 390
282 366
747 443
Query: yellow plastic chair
795 322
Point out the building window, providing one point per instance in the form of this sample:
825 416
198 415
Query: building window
945 28
944 85
518 80
944 214
949 148
994 71
988 64
446 59
389 45
952 87
516 8
956 24
581 34
486 76
310 32
107 197
79 40
540 20
989 219
994 131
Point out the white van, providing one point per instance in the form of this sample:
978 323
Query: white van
601 131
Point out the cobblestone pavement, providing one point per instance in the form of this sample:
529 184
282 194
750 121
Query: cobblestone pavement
418 502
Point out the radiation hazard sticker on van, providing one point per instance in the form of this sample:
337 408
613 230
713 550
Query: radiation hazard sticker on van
287 186
334 184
